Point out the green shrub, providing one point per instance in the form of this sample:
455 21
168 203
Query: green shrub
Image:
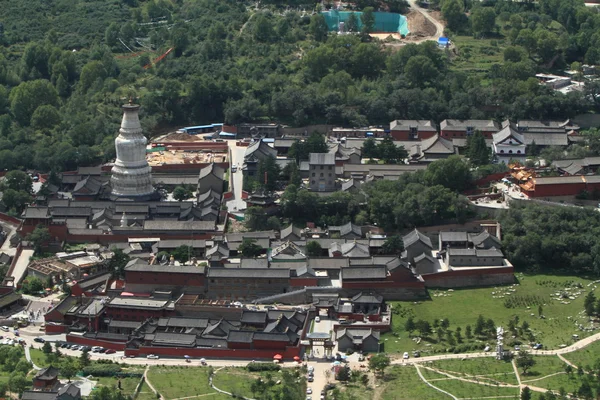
257 367
102 370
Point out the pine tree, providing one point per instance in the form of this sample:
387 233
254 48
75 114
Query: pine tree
589 304
477 150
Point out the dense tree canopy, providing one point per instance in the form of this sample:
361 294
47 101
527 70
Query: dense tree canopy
70 67
559 239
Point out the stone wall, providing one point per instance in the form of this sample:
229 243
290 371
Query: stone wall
463 279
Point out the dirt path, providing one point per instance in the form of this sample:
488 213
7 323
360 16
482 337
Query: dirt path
439 27
150 384
431 385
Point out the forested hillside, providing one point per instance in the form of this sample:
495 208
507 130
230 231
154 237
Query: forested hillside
67 65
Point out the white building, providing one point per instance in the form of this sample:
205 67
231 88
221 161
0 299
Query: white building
131 174
508 144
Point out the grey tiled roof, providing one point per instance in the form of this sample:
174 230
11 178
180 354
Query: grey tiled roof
480 124
254 317
362 298
124 324
406 124
167 269
165 225
321 159
174 339
424 257
360 273
415 236
453 236
255 273
212 169
240 337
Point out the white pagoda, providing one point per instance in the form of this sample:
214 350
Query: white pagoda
131 174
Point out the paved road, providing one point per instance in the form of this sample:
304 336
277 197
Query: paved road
575 346
21 265
237 158
439 28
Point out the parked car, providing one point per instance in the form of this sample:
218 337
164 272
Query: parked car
405 355
39 340
416 354
5 328
308 391
310 379
317 319
152 357
110 351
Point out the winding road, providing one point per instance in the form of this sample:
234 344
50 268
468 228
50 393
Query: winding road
439 28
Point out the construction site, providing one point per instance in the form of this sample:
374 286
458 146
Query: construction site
166 159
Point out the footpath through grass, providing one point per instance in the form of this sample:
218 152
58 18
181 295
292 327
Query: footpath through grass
586 357
403 382
176 382
488 369
235 380
560 299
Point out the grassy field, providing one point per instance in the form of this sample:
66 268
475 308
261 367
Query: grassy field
358 391
430 374
485 369
477 55
569 382
404 383
555 329
473 390
544 365
128 385
146 393
235 380
38 357
488 374
176 382
586 356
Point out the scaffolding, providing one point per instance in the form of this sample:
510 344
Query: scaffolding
384 22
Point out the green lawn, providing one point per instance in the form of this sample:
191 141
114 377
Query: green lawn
176 382
429 374
486 369
357 391
569 382
473 390
145 393
544 365
586 356
555 329
403 383
128 385
235 380
38 357
477 55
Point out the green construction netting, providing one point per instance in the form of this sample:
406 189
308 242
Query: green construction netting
384 22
